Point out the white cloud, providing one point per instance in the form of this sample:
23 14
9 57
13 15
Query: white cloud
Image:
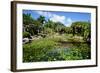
56 18
68 22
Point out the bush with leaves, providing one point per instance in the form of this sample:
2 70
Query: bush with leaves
26 35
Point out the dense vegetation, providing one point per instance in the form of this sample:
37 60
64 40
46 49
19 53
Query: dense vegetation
52 41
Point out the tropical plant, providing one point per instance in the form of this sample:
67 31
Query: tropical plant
81 29
27 19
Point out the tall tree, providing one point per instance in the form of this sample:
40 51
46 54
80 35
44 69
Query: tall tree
41 19
27 19
82 29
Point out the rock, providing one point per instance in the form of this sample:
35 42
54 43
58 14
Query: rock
25 40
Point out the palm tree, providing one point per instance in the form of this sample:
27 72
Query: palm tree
41 19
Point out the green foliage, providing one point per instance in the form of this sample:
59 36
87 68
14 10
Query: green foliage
50 40
48 49
37 49
55 26
40 25
81 29
41 19
27 19
48 31
26 35
43 43
68 30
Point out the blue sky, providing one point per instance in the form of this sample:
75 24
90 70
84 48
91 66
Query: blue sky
64 17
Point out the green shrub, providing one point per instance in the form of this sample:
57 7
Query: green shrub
37 49
26 35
